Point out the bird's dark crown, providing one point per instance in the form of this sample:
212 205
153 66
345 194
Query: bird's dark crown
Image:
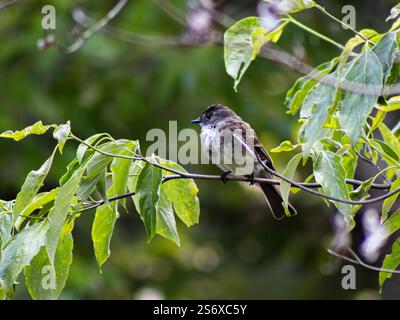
217 111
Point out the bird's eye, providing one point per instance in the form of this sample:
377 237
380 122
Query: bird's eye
207 117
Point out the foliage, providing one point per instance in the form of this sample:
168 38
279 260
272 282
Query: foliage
341 107
337 124
36 228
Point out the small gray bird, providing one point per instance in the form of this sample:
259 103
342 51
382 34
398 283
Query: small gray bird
222 130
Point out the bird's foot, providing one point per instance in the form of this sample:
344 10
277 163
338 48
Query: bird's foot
224 176
250 179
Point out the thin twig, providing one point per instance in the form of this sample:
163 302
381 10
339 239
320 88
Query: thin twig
319 194
7 4
357 260
96 27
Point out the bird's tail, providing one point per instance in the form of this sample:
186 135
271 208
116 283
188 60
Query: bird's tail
274 200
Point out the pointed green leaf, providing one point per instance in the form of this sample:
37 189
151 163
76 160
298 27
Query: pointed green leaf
39 201
59 212
61 134
31 186
103 228
38 129
147 192
289 172
354 108
391 262
285 146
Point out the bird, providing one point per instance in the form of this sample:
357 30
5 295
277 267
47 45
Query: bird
222 132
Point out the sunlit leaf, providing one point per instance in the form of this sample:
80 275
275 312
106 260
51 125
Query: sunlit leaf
289 172
38 129
61 133
31 186
285 146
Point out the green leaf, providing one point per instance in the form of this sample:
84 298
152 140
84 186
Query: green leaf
392 105
391 140
285 187
315 108
99 161
59 212
285 146
101 185
389 202
330 173
5 230
165 220
38 129
120 169
166 225
103 228
61 134
391 262
20 251
392 224
385 151
147 192
45 281
394 12
31 186
354 108
297 94
243 42
183 195
39 201
80 153
385 50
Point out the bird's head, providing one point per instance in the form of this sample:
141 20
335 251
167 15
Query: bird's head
213 114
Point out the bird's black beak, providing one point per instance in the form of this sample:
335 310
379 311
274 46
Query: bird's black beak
198 120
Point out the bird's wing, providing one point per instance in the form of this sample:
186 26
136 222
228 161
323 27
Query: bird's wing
258 149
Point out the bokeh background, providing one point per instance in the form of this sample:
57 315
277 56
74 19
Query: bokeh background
126 88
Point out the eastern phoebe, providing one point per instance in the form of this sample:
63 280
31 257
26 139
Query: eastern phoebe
233 146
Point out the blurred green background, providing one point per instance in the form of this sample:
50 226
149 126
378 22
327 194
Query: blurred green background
126 89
